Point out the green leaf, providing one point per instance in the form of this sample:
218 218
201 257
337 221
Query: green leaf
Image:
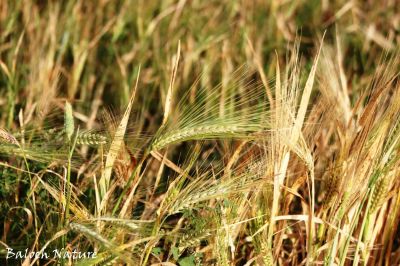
187 261
156 251
175 253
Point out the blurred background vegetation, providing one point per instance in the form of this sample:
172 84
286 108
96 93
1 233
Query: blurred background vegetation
90 50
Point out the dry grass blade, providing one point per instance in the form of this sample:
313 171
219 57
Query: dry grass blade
168 100
116 144
301 113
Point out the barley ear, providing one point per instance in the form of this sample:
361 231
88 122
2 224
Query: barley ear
7 137
68 121
382 187
116 144
88 138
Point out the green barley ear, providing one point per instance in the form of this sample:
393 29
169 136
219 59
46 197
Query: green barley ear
267 256
89 138
217 114
69 126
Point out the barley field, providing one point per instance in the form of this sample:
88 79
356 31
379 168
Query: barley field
189 132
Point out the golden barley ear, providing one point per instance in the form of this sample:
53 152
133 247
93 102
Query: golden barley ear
332 186
7 137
